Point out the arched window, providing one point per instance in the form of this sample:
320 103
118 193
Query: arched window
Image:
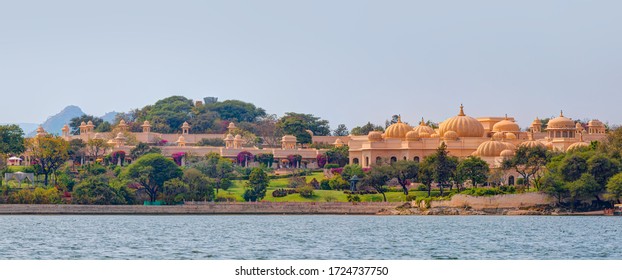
393 159
366 161
355 161
416 159
378 160
511 181
404 157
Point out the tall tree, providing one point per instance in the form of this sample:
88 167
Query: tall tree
96 148
167 115
257 185
365 129
297 124
151 171
338 155
472 168
405 171
217 168
614 187
602 167
444 167
236 110
267 130
49 152
11 140
377 178
341 130
426 172
528 162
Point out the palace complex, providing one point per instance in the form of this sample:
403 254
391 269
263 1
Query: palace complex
491 138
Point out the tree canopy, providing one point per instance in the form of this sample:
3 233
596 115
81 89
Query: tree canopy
151 171
11 139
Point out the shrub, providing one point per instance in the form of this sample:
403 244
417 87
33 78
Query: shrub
331 166
225 198
283 192
354 198
338 183
325 184
422 187
315 184
306 191
411 197
296 181
482 191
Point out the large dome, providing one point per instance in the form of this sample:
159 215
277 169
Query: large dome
374 136
462 124
490 148
532 144
397 130
577 145
506 125
561 122
423 127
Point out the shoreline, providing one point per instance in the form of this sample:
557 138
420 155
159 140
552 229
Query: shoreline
278 208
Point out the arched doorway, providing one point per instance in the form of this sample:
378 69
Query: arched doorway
416 159
366 161
355 161
511 181
393 159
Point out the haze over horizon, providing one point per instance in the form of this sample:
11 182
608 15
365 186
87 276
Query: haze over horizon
345 61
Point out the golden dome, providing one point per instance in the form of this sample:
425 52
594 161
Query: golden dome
288 138
536 121
374 136
490 148
507 153
120 136
146 123
506 125
423 127
89 123
185 125
424 135
510 136
498 136
532 143
561 122
577 145
434 135
595 123
83 124
450 135
412 136
229 137
181 139
509 146
397 130
238 137
462 124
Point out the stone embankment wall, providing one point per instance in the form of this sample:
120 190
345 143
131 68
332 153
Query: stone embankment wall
505 201
300 208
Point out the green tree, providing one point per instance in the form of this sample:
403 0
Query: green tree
257 185
528 162
167 115
143 149
350 170
199 185
426 172
50 152
151 171
614 187
602 167
96 190
338 183
554 185
583 188
297 124
366 129
572 167
377 178
76 149
175 191
217 168
338 155
444 167
11 140
96 148
341 130
236 110
405 171
474 169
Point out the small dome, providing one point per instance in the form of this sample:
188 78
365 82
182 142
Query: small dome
397 130
532 143
90 123
146 123
595 123
412 136
424 135
338 142
577 145
289 138
423 127
491 148
185 125
498 136
507 153
122 122
374 136
450 135
120 136
238 137
506 125
229 137
510 136
231 126
181 139
83 124
561 122
65 128
509 146
536 121
462 124
40 129
434 135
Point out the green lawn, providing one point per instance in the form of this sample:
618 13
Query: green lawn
319 195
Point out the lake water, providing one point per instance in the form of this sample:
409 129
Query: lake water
310 237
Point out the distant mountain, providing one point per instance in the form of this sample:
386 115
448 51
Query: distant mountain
54 124
26 127
109 117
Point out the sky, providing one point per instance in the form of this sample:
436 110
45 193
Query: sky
345 61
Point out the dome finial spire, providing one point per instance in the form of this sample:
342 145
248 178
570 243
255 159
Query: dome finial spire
561 113
461 110
506 116
422 121
399 118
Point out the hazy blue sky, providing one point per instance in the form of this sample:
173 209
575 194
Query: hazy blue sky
346 61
